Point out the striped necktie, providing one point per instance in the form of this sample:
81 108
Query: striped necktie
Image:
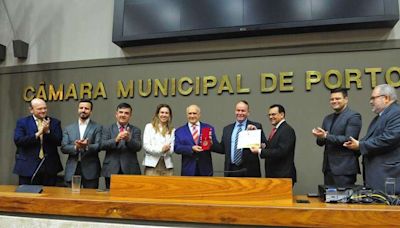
237 158
195 133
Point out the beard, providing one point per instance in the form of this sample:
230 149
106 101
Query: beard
83 116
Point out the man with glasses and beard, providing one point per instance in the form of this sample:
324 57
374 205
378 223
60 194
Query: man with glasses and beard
380 147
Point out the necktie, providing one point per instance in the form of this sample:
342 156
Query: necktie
272 133
41 152
195 133
121 128
237 158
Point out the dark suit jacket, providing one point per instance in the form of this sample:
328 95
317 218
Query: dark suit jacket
183 145
341 161
250 161
28 147
279 153
90 163
122 155
381 149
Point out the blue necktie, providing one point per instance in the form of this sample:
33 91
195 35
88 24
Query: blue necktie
237 158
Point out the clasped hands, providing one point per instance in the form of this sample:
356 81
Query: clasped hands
351 144
123 135
166 148
45 128
81 144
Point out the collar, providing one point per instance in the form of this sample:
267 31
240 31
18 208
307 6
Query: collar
383 111
119 125
86 122
343 110
35 118
244 123
279 124
191 125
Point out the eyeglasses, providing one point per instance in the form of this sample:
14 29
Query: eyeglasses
374 97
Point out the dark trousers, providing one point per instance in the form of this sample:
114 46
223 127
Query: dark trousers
339 180
86 183
41 177
108 179
236 171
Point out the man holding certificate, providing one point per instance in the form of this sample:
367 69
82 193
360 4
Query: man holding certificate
239 161
279 151
193 141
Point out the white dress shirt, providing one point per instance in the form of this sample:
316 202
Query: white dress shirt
82 127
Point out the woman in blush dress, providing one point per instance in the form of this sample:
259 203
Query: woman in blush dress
158 143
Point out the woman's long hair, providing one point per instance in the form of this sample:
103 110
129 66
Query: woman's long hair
167 128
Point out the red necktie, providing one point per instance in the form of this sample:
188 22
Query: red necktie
272 133
121 128
195 133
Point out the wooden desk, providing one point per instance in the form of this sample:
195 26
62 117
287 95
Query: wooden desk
91 203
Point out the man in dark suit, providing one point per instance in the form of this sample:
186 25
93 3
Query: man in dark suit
340 165
37 136
279 151
239 162
121 141
380 147
195 160
81 141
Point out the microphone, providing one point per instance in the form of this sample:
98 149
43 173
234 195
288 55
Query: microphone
37 169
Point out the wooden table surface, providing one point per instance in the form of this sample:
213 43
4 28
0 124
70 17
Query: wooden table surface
92 203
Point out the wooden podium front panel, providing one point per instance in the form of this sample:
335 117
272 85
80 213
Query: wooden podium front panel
204 190
95 204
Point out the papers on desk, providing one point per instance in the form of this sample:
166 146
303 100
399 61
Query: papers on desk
250 138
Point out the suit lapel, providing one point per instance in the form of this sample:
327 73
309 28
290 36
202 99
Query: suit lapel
88 129
130 128
32 124
76 132
278 132
114 130
377 121
372 126
337 121
228 139
189 133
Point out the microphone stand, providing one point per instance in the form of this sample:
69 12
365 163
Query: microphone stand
37 169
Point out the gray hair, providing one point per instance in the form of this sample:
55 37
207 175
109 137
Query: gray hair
195 107
387 90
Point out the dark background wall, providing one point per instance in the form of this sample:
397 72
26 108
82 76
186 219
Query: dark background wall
73 45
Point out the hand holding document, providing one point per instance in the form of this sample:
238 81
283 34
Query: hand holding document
248 139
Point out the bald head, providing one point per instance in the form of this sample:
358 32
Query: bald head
38 108
37 101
